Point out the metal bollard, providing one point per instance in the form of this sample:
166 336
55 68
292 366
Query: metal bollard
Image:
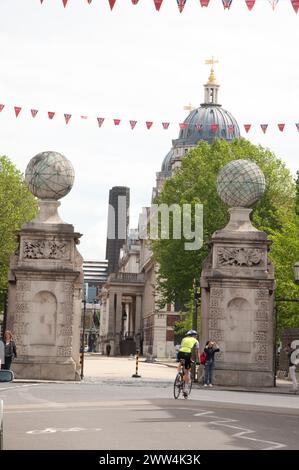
136 375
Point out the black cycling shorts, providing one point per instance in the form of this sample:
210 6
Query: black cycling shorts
186 357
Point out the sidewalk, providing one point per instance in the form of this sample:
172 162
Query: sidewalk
99 367
282 386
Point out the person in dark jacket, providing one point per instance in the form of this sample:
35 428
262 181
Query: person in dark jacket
210 350
10 350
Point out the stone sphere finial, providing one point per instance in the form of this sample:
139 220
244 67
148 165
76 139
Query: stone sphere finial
49 175
240 183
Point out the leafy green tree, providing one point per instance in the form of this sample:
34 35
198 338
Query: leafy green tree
195 182
297 193
17 206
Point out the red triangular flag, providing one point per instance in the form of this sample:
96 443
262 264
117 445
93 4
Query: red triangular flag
230 128
165 125
281 127
250 4
198 126
135 2
1 107
133 124
158 4
100 121
181 4
204 3
51 114
34 112
295 4
17 110
116 122
247 127
182 125
149 124
297 125
214 128
111 3
227 4
264 128
67 117
64 2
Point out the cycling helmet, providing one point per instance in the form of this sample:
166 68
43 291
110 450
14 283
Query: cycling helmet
191 333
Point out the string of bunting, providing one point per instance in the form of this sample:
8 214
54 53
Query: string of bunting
204 3
214 127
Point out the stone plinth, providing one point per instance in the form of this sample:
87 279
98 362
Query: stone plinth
237 286
44 306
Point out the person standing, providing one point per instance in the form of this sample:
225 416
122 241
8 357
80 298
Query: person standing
10 350
292 367
108 349
210 350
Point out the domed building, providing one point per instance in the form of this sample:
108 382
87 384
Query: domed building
131 317
207 122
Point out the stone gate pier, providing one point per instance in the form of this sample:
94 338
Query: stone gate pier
237 286
45 280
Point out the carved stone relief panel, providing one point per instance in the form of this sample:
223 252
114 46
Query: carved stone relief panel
46 249
241 257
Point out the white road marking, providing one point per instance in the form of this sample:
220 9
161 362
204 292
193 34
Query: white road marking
54 430
220 421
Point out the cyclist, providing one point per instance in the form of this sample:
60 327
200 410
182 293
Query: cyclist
188 345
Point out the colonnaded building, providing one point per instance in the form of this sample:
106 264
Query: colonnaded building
130 316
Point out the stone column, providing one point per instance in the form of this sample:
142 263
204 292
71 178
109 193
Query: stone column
127 321
118 322
138 321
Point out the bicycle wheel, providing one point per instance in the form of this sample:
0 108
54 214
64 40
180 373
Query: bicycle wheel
178 385
188 388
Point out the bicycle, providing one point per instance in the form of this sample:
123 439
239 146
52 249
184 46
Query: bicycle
179 385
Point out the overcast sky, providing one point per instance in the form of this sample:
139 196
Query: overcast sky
135 63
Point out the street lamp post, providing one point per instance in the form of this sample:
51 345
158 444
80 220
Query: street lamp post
83 336
194 317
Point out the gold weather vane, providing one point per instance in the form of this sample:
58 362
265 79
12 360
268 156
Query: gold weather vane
188 107
211 62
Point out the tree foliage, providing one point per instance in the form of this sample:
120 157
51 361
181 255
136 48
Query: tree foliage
275 213
17 206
